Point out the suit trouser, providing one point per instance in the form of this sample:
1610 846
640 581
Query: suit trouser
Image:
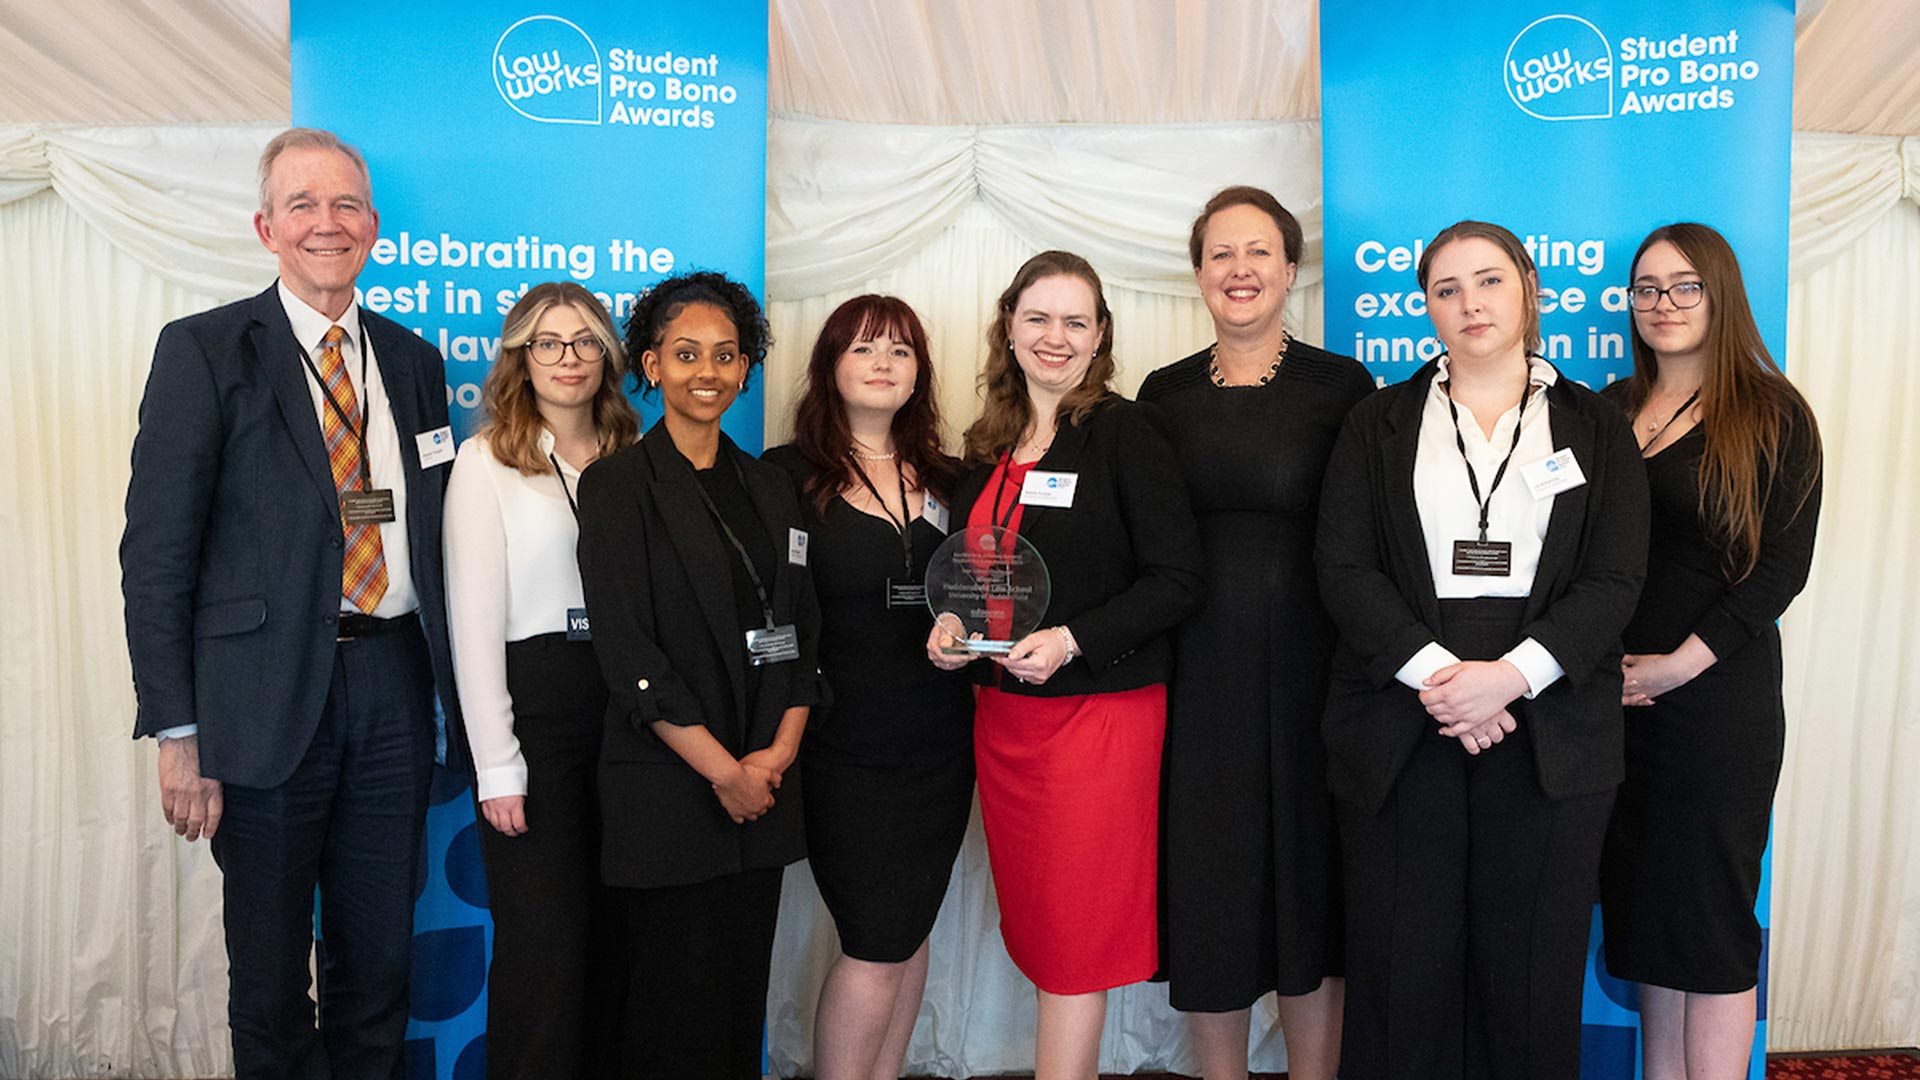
554 991
1469 900
348 821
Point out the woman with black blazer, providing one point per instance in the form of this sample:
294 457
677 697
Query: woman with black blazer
1482 541
1068 725
703 618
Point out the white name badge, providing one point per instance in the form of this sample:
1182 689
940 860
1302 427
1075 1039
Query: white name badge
436 446
935 513
1553 475
797 546
1049 488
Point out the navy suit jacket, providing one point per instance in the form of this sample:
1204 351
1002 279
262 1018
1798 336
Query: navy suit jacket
230 564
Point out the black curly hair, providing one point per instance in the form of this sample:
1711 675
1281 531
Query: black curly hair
664 302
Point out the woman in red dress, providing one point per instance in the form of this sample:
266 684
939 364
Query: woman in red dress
1069 723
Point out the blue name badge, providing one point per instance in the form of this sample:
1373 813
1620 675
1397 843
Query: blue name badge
577 629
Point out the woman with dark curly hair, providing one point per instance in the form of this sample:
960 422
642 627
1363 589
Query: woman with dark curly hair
694 559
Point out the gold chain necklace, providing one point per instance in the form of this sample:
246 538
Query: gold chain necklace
1220 379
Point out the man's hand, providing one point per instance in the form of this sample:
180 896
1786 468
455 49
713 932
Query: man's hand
190 802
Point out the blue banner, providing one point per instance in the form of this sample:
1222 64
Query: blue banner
511 144
1580 126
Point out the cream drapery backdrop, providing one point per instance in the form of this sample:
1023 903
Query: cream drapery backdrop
976 134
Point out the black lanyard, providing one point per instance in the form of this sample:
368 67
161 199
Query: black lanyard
1677 413
1460 440
564 489
903 523
359 434
1006 469
766 604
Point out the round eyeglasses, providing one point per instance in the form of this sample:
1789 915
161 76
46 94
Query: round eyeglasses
1682 294
549 351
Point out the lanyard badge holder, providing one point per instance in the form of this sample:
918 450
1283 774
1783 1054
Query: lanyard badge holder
1482 557
366 505
578 626
772 643
903 591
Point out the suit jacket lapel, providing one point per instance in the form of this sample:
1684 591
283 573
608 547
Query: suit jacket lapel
1573 430
278 353
1069 447
703 552
771 508
1399 445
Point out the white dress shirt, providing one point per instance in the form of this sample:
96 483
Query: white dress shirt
1448 512
512 574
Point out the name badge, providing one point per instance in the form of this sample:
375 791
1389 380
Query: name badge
1049 488
1482 558
1553 475
934 512
797 546
906 594
436 446
577 627
366 507
773 646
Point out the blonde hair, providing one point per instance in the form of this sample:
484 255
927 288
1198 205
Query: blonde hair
512 421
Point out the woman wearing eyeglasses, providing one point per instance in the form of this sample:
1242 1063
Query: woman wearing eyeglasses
529 686
1733 462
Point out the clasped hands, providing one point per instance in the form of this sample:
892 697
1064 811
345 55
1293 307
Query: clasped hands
746 792
1033 659
1469 700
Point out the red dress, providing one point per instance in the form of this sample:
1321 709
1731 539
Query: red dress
1070 797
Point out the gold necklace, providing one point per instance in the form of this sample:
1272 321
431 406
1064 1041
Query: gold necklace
1220 379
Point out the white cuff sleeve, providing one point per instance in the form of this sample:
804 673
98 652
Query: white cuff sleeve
508 779
1431 658
1538 666
181 732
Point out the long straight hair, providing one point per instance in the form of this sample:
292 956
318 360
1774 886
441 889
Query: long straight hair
1008 408
1747 407
820 430
512 422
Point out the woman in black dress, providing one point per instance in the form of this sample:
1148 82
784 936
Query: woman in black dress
694 560
1249 860
889 768
1733 461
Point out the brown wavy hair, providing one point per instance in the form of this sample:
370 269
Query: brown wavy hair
1502 238
1008 409
821 433
1747 407
511 417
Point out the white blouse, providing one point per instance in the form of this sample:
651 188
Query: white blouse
511 575
1448 512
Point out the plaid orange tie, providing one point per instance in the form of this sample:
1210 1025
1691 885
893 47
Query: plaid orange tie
363 575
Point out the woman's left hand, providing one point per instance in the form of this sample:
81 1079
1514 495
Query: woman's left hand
1465 695
1034 658
1645 676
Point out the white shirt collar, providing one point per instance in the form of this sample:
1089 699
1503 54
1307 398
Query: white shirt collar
310 326
1540 372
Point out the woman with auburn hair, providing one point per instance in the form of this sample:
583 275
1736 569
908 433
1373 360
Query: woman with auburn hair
1733 462
1254 908
530 691
1482 538
889 765
1069 723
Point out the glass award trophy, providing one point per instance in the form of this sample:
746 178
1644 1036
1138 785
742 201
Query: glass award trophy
988 587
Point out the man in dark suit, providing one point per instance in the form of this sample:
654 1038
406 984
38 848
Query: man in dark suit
286 619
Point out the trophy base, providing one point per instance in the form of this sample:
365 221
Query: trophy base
980 647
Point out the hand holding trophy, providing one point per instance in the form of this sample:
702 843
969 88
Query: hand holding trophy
987 588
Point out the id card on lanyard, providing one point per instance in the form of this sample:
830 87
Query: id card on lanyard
365 505
772 643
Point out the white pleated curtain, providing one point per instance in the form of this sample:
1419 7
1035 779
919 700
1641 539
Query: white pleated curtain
917 149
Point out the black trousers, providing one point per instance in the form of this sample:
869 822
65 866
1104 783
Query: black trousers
697 999
1469 899
559 969
349 822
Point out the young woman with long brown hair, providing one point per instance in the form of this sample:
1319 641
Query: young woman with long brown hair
1069 724
1733 462
889 764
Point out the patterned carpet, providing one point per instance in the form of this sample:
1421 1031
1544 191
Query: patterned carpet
1870 1065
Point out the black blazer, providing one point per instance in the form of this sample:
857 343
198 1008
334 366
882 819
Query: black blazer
659 590
1378 585
1124 558
230 563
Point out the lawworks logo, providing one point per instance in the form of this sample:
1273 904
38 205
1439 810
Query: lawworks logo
547 69
1560 68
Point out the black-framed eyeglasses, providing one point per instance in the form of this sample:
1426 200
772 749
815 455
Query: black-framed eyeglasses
549 351
1683 294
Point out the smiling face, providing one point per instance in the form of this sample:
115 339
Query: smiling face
1670 331
320 222
572 382
1477 299
697 364
876 374
1244 275
1054 331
